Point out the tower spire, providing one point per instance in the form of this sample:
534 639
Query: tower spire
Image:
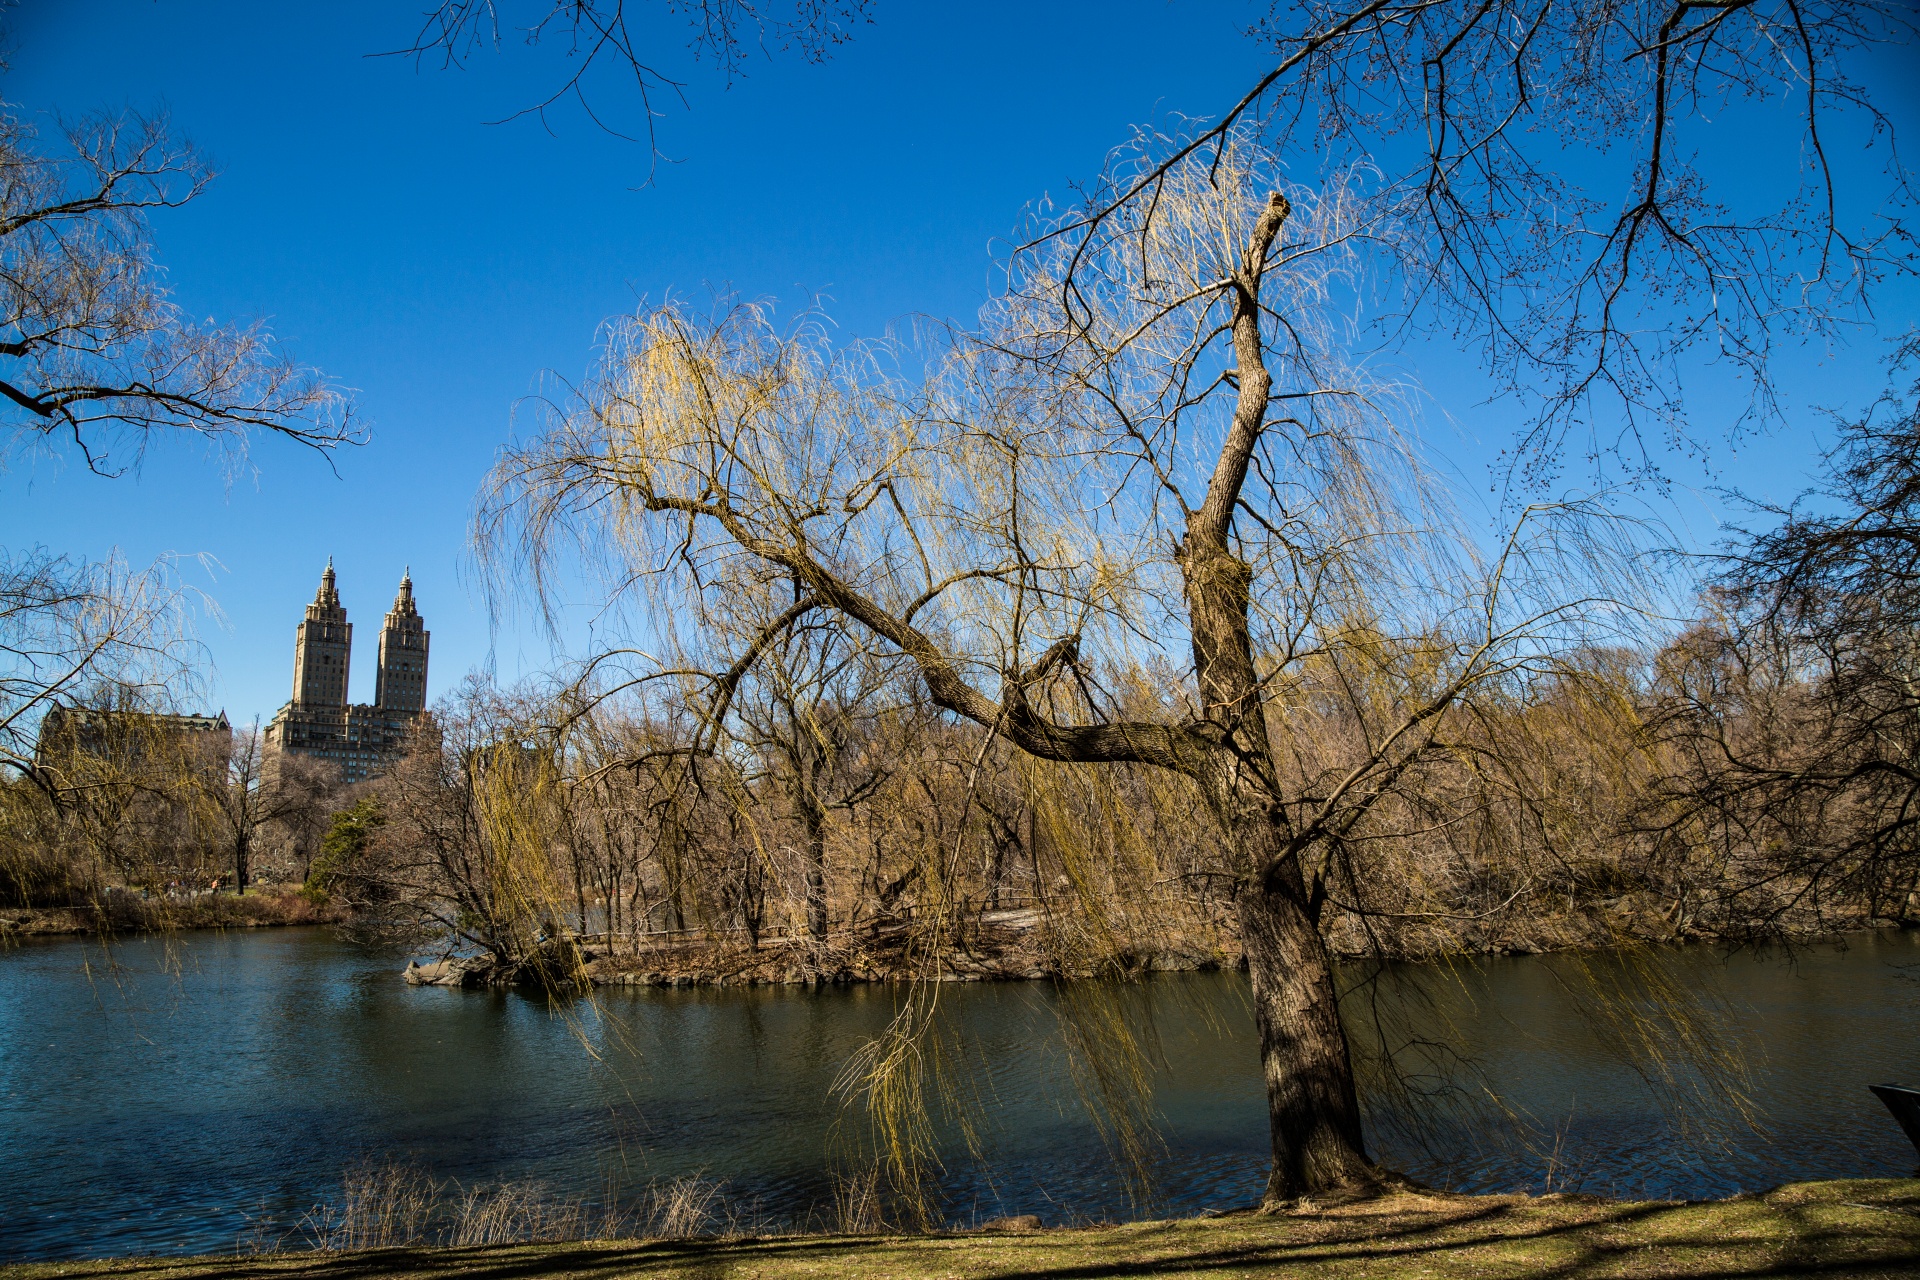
328 596
322 648
400 686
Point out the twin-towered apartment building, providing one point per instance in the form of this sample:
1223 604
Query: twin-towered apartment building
319 722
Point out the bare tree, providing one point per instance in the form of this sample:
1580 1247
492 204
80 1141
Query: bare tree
1578 178
67 628
1794 715
1158 442
93 355
257 793
625 39
468 845
808 710
1578 183
1180 462
629 803
126 780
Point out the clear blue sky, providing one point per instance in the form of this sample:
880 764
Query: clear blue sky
439 265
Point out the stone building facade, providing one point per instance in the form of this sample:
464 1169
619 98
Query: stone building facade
357 739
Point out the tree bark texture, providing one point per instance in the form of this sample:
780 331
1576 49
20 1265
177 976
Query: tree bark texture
1312 1103
1313 1107
815 821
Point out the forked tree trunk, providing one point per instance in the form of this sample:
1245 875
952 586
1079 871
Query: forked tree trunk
1312 1104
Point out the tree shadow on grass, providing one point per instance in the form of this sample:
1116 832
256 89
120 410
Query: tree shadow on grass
1541 1240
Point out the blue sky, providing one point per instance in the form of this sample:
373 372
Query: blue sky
440 265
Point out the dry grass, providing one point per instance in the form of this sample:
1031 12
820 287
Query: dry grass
381 1206
516 1213
684 1209
389 1205
858 1208
1834 1230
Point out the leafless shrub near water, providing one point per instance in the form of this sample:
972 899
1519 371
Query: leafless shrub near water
515 1213
858 1208
686 1208
381 1206
391 1205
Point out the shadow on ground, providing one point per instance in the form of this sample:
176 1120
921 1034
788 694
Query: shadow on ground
1824 1229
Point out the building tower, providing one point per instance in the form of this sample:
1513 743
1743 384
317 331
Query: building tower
401 682
322 649
358 741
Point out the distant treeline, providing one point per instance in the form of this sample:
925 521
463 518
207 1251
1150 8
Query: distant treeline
1742 783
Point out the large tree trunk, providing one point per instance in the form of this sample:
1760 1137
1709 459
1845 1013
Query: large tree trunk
1312 1106
815 821
1313 1109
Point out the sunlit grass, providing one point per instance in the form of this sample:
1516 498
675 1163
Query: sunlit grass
1832 1229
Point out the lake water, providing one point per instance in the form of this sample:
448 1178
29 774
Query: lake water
162 1096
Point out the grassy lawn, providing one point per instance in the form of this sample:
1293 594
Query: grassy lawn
1825 1229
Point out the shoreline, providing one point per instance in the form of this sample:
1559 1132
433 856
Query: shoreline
125 913
1003 946
1838 1229
996 950
997 946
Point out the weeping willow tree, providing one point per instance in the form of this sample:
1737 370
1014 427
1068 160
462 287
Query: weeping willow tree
101 782
803 714
469 843
126 786
1180 471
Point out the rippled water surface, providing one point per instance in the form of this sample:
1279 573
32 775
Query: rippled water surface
163 1096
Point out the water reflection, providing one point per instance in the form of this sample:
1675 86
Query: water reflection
156 1099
